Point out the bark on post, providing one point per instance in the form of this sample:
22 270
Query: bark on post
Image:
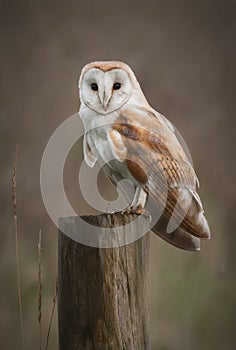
103 292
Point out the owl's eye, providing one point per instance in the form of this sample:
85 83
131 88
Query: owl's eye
94 87
116 86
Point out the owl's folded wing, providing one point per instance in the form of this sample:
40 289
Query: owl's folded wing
156 159
178 238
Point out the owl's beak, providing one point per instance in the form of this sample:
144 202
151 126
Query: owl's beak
104 97
106 101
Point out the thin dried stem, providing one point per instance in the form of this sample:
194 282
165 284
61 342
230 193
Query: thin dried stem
40 288
14 201
52 314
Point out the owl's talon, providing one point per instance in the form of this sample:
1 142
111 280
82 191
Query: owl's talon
114 211
133 210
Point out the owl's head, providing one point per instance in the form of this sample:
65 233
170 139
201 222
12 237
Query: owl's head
106 86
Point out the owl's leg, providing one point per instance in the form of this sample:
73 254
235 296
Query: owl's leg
138 204
140 198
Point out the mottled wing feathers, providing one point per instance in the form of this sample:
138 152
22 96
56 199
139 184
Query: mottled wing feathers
156 159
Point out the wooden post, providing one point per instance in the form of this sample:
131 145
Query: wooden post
102 296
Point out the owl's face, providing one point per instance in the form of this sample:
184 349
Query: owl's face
104 91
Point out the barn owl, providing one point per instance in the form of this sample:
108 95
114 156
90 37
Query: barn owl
135 142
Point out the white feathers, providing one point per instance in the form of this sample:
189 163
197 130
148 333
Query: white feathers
89 157
98 92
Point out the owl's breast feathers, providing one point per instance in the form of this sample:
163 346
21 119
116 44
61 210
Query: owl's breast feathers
155 158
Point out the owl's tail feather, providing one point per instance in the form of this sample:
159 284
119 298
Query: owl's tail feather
179 238
194 222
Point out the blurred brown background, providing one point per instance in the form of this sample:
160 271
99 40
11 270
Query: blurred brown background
183 53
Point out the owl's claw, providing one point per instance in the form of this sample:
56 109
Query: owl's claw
114 211
139 210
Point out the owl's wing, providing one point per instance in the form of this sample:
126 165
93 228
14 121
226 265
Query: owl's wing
179 238
156 159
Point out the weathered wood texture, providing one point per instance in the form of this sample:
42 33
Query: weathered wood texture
103 297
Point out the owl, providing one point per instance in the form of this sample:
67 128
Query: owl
135 142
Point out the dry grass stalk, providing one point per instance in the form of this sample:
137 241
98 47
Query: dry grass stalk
52 314
14 201
40 288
